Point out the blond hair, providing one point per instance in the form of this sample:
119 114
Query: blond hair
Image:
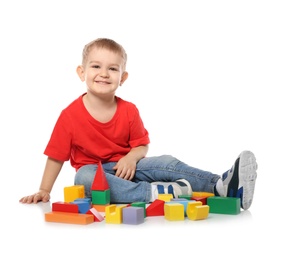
105 43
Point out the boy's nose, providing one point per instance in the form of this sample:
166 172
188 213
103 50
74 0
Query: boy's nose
104 73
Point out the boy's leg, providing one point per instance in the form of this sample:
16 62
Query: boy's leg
121 191
166 170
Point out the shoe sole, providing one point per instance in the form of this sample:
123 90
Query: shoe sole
244 182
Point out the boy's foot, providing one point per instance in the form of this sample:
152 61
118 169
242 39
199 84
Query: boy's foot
179 187
239 181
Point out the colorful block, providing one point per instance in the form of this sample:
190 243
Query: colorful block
156 208
188 197
74 192
100 208
83 205
165 197
202 194
97 216
174 211
114 214
100 197
70 218
184 202
224 205
64 207
140 204
133 215
197 211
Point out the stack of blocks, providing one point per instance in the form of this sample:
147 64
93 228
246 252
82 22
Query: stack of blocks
76 209
100 191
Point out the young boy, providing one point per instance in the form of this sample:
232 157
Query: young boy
101 127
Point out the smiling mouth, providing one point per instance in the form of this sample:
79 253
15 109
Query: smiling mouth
103 82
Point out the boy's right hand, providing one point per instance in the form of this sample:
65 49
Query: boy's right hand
41 195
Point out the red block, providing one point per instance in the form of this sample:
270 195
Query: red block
202 199
100 181
156 208
65 207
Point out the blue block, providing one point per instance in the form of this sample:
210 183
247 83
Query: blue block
83 206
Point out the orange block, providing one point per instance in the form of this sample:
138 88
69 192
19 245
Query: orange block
100 208
70 218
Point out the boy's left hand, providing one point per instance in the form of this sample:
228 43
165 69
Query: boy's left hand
125 168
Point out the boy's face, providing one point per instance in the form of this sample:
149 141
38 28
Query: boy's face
103 72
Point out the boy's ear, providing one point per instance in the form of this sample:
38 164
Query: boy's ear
80 73
124 78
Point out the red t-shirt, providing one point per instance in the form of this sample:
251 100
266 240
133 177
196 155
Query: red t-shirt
80 138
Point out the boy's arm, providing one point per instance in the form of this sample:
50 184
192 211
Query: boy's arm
126 166
51 171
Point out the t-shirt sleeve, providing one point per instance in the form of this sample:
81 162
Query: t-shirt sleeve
138 133
59 145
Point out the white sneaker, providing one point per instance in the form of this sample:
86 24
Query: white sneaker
177 188
239 181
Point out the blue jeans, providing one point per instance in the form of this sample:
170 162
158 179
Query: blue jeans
163 168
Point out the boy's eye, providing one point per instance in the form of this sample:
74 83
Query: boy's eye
114 69
96 66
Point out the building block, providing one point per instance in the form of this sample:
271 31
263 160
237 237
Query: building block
100 208
202 199
165 197
74 192
174 211
70 218
83 205
114 214
184 202
224 205
88 200
101 197
156 208
188 197
100 181
133 215
140 204
202 194
97 216
64 207
197 211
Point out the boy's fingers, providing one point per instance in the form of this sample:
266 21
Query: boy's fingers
46 198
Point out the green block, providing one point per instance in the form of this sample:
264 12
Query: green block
188 197
140 204
224 205
100 197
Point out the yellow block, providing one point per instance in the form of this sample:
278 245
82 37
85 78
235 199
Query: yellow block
174 211
197 211
114 214
202 194
165 197
74 192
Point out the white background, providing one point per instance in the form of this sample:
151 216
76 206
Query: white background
208 79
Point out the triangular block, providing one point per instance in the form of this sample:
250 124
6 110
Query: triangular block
100 181
97 216
156 208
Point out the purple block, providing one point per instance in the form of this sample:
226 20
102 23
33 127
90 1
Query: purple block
133 215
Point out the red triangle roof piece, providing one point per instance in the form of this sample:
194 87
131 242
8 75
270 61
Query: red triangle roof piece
156 208
100 181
